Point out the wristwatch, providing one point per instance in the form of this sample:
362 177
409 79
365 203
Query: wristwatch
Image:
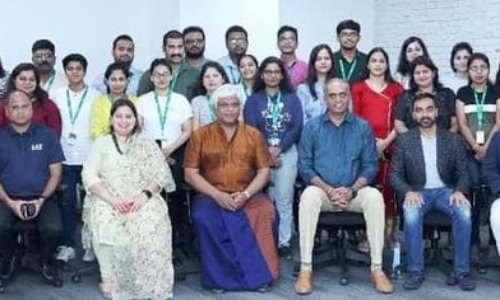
147 193
354 193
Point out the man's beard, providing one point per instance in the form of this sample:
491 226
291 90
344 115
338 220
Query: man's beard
195 55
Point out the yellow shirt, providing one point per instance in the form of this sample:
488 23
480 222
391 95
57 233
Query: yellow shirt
100 116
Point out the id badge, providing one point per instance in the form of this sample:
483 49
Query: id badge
71 139
480 137
273 142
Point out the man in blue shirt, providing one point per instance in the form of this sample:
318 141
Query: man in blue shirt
338 159
30 171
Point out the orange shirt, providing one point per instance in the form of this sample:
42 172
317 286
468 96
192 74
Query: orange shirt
230 166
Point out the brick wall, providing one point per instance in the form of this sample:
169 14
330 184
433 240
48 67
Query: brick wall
441 24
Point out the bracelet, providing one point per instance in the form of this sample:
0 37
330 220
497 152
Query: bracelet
147 193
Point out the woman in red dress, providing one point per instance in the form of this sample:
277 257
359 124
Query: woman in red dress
374 99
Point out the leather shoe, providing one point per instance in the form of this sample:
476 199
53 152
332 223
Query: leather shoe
303 285
382 283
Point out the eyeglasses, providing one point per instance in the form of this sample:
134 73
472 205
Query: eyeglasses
478 69
162 75
190 42
238 40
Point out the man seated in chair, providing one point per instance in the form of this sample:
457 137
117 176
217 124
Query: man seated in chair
228 163
338 159
429 172
30 171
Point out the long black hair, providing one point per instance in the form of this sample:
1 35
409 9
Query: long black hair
2 70
39 94
312 77
404 64
285 85
210 64
387 74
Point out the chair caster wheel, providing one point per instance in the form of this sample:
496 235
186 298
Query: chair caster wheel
344 281
76 278
57 282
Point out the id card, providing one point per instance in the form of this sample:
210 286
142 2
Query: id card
71 139
480 137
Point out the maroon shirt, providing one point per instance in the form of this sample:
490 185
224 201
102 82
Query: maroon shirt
45 113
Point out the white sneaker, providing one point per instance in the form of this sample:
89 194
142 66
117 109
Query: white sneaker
88 256
65 253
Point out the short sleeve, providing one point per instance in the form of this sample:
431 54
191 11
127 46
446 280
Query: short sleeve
262 157
55 151
192 156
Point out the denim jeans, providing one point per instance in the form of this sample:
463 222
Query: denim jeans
438 199
281 193
72 176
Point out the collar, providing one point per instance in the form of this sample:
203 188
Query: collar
291 64
203 60
358 55
349 118
13 132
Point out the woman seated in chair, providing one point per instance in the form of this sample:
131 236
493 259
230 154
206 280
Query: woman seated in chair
126 221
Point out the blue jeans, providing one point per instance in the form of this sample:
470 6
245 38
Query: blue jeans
437 199
281 193
72 176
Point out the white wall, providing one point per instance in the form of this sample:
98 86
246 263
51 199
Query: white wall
90 26
441 24
317 21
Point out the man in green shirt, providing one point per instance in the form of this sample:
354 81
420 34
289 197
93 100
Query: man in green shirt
185 79
348 61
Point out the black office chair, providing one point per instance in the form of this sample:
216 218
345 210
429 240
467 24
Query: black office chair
26 256
337 224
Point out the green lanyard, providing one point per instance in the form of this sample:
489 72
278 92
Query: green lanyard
211 107
162 116
73 117
49 84
274 109
351 69
480 108
233 77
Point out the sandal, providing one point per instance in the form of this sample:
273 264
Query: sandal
105 288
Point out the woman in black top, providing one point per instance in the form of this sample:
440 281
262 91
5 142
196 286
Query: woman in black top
424 78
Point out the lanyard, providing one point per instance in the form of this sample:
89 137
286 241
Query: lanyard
211 107
351 69
480 108
274 109
174 81
233 77
162 116
50 82
73 117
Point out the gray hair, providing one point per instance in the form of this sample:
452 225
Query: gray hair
224 91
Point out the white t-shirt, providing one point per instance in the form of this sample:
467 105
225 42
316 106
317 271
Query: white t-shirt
433 180
75 138
178 112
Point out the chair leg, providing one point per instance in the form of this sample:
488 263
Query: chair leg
341 254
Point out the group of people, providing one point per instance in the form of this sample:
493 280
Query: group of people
240 133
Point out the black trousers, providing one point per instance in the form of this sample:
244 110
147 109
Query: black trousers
182 232
48 223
